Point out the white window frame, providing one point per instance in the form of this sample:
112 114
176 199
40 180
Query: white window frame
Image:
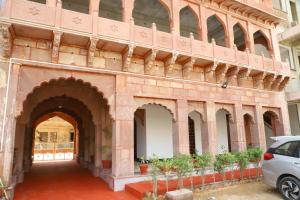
292 66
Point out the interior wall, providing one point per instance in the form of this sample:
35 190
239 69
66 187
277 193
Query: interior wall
159 132
222 133
141 138
269 133
198 135
294 119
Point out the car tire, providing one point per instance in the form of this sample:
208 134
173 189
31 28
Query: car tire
289 187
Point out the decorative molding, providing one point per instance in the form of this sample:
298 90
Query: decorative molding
91 51
127 56
149 60
5 41
56 44
170 62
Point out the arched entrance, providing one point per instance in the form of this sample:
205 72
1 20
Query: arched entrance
223 131
196 132
272 126
55 138
76 102
153 132
248 128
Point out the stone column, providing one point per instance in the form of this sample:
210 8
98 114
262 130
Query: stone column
181 132
97 154
230 34
19 146
203 24
123 131
286 128
10 125
251 39
259 128
174 17
128 6
238 141
94 11
209 134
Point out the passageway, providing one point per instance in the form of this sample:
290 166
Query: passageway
64 180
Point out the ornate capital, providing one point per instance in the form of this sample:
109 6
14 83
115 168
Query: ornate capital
55 46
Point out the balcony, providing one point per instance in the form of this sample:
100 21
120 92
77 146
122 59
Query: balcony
42 15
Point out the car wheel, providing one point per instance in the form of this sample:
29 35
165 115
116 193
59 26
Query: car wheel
289 187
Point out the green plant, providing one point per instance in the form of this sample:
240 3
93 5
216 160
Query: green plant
106 152
142 160
183 165
222 161
107 132
230 159
155 169
201 163
255 155
242 159
166 166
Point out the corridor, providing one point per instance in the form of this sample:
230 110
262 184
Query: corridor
64 180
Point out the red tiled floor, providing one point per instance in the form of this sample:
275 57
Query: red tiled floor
64 181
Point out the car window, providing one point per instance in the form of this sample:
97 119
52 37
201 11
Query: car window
289 149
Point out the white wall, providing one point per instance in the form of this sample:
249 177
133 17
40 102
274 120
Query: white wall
159 134
198 124
269 133
294 119
222 135
140 138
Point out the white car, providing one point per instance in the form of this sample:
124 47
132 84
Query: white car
281 166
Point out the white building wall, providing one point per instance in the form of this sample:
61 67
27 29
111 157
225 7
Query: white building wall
222 135
159 134
141 138
269 134
198 125
294 119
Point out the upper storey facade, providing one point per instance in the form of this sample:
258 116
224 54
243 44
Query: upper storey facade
232 42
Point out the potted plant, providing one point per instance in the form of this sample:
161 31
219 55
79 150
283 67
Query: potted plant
143 165
242 159
106 157
201 163
155 169
183 165
255 155
166 168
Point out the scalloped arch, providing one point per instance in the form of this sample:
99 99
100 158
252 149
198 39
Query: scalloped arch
24 101
157 104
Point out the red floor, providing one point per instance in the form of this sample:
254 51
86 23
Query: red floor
64 181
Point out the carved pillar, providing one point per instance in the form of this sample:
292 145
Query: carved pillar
203 23
209 134
123 131
251 39
5 41
238 141
181 133
55 46
174 17
94 11
230 38
10 125
259 128
128 6
19 146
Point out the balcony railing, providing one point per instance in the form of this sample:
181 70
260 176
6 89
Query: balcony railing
123 32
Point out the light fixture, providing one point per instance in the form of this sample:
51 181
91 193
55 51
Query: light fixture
60 107
224 84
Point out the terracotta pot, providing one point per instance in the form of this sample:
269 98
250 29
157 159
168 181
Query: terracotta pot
144 168
106 164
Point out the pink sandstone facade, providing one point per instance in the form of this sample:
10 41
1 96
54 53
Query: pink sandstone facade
99 72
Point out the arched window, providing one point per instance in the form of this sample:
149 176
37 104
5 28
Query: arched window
188 23
111 9
38 1
216 30
239 37
261 44
146 12
76 5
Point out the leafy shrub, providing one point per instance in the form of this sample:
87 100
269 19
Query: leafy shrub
242 159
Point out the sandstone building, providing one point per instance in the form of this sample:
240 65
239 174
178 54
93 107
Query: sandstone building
140 77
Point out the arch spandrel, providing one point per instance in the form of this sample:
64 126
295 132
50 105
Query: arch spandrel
32 79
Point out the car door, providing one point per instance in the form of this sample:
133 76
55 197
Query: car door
287 156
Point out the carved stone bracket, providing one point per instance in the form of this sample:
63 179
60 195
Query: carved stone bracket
5 42
283 83
277 82
244 73
188 67
258 80
221 73
268 81
149 60
127 56
170 62
210 71
232 73
55 46
91 52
